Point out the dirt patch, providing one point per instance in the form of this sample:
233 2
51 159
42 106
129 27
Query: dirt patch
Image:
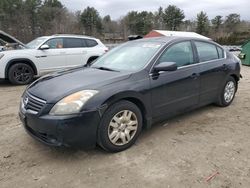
182 153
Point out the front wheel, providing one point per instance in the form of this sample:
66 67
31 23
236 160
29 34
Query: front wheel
120 126
227 94
20 74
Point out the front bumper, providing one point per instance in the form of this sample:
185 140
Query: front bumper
72 131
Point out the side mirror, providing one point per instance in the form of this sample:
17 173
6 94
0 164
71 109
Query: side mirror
44 47
166 66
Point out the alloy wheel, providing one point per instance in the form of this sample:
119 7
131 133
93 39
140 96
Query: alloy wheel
22 74
229 91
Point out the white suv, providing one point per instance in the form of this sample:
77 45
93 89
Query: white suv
48 54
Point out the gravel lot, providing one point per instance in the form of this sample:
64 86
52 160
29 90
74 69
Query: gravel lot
181 153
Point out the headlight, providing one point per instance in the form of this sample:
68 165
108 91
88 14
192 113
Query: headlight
1 55
73 103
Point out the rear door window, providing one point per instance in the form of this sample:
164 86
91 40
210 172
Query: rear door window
206 51
74 43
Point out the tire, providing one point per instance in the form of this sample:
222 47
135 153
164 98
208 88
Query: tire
114 125
227 93
20 74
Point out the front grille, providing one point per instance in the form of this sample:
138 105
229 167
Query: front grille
33 103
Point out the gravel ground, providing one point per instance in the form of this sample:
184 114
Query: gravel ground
180 153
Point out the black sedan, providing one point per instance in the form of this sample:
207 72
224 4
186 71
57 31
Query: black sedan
128 89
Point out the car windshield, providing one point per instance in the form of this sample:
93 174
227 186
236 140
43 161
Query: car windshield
131 56
35 43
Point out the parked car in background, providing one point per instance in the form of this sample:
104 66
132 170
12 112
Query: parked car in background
48 54
129 88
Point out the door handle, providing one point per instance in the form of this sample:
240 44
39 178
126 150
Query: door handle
194 76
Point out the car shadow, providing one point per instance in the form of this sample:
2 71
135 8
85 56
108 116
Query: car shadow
5 83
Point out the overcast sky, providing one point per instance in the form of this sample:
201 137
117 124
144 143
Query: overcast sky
118 8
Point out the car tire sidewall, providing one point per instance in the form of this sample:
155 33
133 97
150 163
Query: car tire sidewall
222 98
103 139
11 74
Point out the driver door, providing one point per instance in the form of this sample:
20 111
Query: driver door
52 59
176 91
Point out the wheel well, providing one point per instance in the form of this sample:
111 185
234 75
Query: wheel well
141 106
25 61
92 58
235 77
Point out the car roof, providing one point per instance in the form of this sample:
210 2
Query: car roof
171 38
71 35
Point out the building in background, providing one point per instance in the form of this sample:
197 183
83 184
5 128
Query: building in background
161 33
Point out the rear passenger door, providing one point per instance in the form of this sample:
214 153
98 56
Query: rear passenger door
211 59
76 51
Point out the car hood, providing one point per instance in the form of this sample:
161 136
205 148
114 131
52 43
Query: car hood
9 39
55 86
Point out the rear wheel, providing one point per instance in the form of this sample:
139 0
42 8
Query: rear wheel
227 94
20 74
120 126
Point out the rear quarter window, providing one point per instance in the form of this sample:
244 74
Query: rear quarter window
220 52
90 43
206 51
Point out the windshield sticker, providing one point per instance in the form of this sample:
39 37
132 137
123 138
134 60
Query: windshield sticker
151 45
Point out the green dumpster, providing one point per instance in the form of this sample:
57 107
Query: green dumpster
245 53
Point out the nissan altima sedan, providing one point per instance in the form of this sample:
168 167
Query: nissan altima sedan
128 89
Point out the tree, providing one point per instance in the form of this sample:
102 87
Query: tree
188 25
139 23
107 18
173 17
53 3
217 22
109 26
232 21
158 19
32 8
130 20
51 16
202 23
91 21
10 14
144 22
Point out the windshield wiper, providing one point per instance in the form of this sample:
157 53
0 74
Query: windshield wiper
106 68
